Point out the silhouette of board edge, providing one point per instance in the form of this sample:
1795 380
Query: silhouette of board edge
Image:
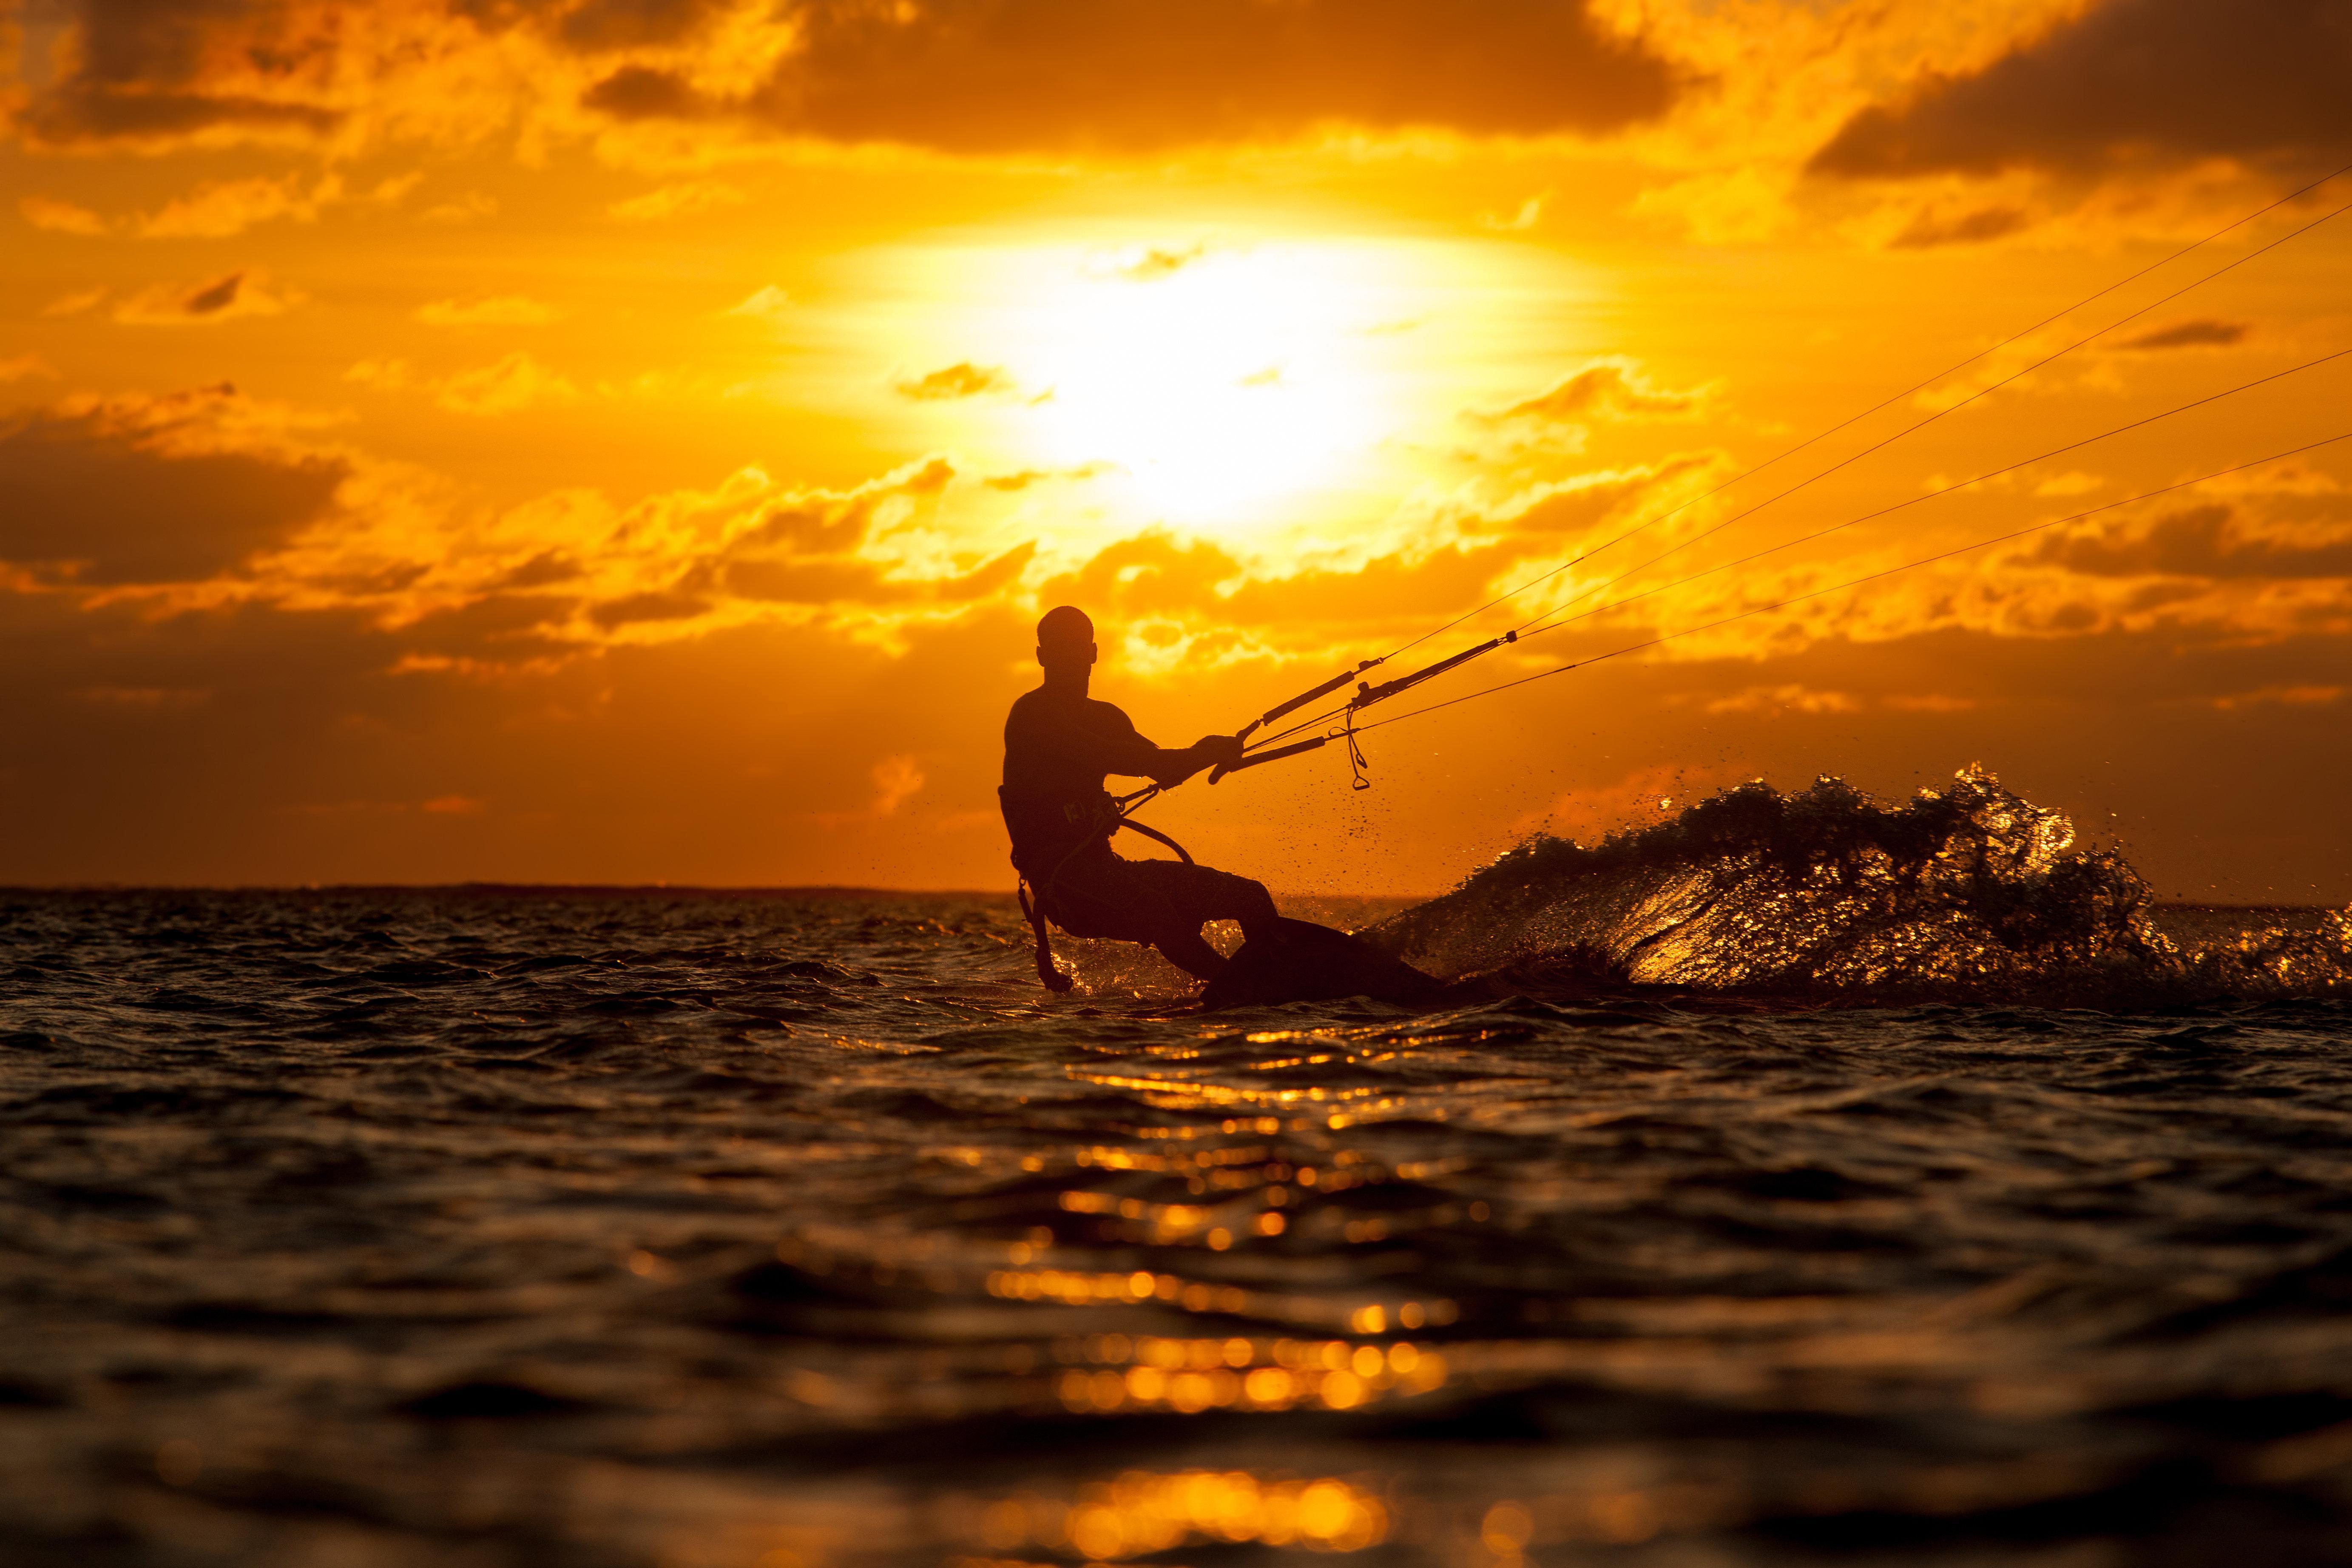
1303 961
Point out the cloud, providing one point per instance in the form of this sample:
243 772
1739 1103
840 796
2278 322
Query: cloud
994 76
2210 542
2198 335
152 490
24 367
676 201
382 374
2163 82
1023 479
218 209
960 75
1605 389
896 780
1926 230
454 806
2294 695
498 310
229 297
471 207
58 217
1148 264
143 73
763 304
74 304
1529 214
1788 698
956 380
513 384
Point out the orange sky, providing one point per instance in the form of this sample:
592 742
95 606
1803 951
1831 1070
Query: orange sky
629 440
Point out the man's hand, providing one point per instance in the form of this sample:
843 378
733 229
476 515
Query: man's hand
1218 750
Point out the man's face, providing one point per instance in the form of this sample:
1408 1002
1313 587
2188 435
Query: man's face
1064 653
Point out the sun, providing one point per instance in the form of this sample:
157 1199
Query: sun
1280 392
1219 384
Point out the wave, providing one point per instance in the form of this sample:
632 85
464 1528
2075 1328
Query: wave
1967 893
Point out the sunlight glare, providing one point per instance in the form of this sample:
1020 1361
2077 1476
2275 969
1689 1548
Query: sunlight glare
1230 383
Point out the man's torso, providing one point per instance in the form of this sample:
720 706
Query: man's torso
1057 748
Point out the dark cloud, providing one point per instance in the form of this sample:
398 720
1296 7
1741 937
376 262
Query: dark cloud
1136 74
652 606
969 76
2162 82
1971 228
115 494
955 381
632 23
214 297
145 70
2203 334
226 298
2203 542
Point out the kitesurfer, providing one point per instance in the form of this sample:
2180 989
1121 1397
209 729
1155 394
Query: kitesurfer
1059 743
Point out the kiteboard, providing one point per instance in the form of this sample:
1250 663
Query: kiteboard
1302 961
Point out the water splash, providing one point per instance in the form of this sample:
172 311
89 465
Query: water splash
1970 892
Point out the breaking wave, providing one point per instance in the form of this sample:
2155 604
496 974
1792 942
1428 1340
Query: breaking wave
1967 893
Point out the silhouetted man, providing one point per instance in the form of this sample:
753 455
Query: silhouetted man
1059 743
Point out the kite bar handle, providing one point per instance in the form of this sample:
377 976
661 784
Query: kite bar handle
1275 755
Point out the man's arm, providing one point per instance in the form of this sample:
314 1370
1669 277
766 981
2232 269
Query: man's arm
1130 754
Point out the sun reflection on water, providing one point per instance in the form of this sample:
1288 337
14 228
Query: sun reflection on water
1139 1513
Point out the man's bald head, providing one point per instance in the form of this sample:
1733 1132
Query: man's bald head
1065 639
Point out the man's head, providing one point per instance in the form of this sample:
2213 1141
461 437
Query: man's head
1066 640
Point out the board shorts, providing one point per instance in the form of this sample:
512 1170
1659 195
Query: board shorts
1106 897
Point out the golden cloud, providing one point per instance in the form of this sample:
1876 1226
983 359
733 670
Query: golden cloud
509 386
685 200
61 217
231 296
955 382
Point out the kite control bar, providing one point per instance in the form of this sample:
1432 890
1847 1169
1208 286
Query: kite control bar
1278 711
1366 695
1275 755
1301 700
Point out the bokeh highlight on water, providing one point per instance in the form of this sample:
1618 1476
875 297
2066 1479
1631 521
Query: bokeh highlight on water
1767 1196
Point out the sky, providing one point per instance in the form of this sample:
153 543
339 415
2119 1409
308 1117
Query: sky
623 441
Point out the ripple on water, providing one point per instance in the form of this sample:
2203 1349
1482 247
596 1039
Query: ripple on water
760 1232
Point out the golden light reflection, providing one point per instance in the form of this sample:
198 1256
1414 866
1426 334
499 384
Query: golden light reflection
1140 1513
1189 1376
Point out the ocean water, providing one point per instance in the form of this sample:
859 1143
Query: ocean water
1804 1181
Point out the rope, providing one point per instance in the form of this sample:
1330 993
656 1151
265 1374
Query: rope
1857 582
1922 425
1534 628
1921 386
1898 506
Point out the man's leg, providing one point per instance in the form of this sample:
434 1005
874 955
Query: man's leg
1186 898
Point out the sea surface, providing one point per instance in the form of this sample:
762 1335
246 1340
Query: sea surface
1978 1211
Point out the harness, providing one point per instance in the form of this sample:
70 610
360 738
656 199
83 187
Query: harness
1092 822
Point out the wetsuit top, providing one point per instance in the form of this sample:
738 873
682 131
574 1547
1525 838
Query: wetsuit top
1057 747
